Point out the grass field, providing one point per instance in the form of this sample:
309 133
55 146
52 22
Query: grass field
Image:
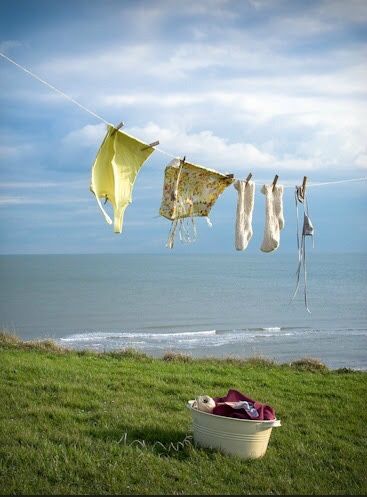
64 416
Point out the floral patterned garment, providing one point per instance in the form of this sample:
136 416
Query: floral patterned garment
190 190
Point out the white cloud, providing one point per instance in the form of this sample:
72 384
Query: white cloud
210 150
259 102
317 151
235 51
89 135
317 130
361 161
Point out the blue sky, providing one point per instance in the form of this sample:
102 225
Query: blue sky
258 85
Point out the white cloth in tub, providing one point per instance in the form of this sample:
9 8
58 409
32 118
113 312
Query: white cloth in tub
204 403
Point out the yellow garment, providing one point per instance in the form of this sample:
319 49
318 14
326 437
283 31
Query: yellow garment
190 190
114 172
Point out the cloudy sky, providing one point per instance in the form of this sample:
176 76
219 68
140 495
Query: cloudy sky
267 86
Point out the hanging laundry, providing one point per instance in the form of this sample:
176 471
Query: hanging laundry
245 206
274 219
114 172
189 191
307 230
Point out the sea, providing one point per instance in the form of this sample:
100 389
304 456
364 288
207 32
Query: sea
236 305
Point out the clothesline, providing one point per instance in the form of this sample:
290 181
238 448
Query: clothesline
100 118
324 183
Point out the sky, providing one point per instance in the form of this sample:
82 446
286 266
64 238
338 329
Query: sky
262 86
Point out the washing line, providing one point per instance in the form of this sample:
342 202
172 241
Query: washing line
324 183
100 118
71 99
338 181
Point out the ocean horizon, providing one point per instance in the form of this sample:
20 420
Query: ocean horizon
217 305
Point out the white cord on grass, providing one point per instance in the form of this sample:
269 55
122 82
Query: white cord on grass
143 444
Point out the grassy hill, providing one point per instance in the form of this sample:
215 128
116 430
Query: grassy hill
68 421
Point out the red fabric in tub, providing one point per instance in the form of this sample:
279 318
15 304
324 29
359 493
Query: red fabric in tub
265 412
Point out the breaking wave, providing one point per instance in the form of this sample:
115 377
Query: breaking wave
178 340
87 337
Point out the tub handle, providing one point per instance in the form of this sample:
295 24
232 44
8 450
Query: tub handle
264 425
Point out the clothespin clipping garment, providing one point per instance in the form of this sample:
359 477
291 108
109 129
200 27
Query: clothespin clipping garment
153 144
275 181
117 128
248 178
303 188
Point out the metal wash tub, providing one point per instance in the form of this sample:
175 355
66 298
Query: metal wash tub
239 437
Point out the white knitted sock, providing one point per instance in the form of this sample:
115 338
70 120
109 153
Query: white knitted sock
274 220
278 205
245 206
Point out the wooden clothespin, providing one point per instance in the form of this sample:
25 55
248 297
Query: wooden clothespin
154 144
275 181
117 128
248 178
303 187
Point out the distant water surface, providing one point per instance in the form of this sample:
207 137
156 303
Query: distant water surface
203 305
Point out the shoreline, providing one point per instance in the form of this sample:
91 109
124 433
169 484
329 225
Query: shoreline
10 340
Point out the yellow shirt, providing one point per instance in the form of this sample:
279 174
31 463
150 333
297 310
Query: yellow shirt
114 172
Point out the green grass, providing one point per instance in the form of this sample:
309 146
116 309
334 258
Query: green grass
64 415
